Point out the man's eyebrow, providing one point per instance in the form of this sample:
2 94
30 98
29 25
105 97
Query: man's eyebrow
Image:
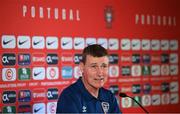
97 63
105 63
93 63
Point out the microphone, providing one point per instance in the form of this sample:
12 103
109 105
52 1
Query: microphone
124 95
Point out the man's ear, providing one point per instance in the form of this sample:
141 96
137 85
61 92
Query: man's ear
81 66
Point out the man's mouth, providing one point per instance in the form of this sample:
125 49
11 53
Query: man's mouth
99 79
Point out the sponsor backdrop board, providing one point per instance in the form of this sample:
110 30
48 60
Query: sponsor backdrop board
41 44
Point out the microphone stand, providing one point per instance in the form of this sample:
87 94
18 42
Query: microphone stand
124 95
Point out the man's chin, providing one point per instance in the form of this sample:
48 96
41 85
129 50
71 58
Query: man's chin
99 86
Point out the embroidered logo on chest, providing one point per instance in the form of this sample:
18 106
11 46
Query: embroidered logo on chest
84 109
105 106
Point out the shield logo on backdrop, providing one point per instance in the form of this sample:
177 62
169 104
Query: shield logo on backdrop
108 14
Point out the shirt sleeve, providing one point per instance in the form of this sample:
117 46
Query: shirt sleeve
66 104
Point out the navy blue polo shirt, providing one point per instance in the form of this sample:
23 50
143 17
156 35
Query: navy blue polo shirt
76 99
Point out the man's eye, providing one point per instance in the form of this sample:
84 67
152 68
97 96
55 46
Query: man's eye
93 66
104 66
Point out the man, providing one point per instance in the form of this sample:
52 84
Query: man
87 94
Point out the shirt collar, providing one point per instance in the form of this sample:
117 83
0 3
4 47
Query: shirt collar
85 92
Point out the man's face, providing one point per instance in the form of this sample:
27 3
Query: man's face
95 71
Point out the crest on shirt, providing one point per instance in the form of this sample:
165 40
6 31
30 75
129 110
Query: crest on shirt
84 109
105 106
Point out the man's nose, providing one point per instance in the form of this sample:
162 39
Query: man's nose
100 71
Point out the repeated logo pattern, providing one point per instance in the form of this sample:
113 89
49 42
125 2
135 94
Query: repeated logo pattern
48 64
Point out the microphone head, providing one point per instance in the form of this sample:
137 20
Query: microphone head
122 95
